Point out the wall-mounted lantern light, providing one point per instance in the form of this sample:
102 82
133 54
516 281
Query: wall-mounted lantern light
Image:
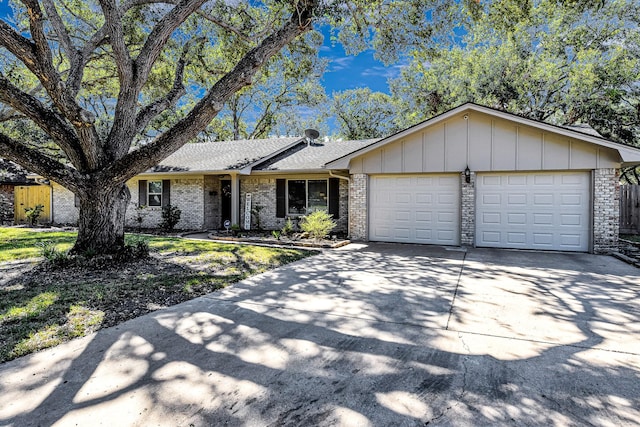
467 175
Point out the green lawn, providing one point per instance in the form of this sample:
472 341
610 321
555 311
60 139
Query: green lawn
43 306
22 243
631 237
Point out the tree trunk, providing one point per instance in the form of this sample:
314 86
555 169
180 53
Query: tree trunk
101 222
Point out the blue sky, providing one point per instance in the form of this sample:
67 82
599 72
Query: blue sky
350 72
344 71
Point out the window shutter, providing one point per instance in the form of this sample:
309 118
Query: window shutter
281 198
334 197
166 192
142 192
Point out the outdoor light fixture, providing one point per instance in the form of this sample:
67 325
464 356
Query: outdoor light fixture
467 175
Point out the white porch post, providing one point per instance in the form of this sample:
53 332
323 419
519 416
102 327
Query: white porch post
235 199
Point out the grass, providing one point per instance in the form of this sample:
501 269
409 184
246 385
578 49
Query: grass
631 237
42 306
22 243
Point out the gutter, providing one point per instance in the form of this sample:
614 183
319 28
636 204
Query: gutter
339 176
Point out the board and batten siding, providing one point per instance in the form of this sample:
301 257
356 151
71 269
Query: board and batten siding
484 143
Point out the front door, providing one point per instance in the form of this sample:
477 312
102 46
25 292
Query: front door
225 202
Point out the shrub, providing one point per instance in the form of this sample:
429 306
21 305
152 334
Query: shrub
50 252
318 224
137 249
276 234
170 217
287 229
34 213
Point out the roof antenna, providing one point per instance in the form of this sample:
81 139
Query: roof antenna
311 135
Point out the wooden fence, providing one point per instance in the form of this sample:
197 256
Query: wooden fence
630 209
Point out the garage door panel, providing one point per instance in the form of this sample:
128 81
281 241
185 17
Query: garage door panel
424 234
543 199
542 180
424 198
550 212
517 218
542 219
491 218
543 239
402 216
424 216
516 180
517 199
427 212
571 199
491 199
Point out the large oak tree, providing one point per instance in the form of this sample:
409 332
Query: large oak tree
82 81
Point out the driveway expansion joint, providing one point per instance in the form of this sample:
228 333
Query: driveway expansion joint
455 292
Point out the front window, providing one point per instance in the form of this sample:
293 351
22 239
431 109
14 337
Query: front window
154 193
306 196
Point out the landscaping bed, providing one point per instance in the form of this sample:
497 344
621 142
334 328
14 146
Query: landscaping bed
264 237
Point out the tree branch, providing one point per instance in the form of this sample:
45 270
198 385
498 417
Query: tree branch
61 32
113 27
208 107
39 163
46 72
159 36
48 120
21 47
40 62
171 98
135 74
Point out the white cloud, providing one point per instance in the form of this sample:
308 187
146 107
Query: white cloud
380 71
337 64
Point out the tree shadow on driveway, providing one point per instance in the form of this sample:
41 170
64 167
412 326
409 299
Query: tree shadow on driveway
386 335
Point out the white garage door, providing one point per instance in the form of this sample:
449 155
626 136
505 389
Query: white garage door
415 209
533 211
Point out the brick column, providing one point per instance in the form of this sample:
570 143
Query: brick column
358 220
468 210
606 210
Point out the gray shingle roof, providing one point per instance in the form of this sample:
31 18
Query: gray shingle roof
312 156
221 155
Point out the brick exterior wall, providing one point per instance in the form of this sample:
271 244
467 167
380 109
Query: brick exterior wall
606 210
468 211
186 194
64 211
358 220
6 205
263 193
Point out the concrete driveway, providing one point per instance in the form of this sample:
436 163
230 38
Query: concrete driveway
374 335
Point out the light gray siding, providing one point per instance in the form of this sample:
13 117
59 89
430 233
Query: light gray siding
486 144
